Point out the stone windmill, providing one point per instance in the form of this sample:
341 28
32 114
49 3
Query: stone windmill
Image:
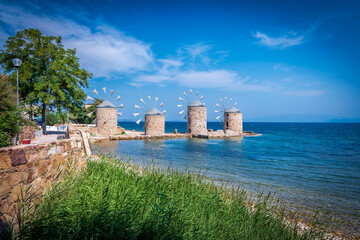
154 118
230 115
106 113
195 113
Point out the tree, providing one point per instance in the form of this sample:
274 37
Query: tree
8 116
50 75
87 115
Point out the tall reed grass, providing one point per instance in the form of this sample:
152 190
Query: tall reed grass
112 199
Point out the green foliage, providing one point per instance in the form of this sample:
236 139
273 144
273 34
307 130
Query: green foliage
5 139
50 74
80 116
8 117
56 118
114 200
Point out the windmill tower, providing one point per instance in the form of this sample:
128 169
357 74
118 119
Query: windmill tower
154 119
196 114
106 114
231 115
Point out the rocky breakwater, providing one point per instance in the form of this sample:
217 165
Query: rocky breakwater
130 135
225 134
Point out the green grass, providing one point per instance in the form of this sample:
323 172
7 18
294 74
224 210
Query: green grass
114 200
122 133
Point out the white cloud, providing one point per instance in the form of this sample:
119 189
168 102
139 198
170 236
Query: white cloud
221 79
104 51
278 42
169 65
206 79
156 78
3 36
304 93
283 67
200 54
107 52
198 51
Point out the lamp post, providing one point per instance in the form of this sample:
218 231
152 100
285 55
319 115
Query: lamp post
17 63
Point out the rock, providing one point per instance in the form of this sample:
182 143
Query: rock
52 150
17 177
15 194
120 130
210 130
230 133
4 188
18 157
5 161
42 169
26 132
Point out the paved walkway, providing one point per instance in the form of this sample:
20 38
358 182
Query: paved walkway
50 137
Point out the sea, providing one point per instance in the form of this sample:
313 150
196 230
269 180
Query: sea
313 168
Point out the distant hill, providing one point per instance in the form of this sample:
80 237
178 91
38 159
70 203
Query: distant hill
280 118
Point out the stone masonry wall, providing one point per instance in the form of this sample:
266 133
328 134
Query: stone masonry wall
197 121
26 132
154 124
233 121
106 121
34 165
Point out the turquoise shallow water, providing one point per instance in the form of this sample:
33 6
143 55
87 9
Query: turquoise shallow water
309 165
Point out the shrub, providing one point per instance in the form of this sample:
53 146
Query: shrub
8 116
5 139
52 118
56 118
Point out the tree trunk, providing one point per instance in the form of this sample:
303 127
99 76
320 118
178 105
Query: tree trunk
43 119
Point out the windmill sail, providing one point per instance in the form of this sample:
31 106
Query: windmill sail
94 91
148 107
103 99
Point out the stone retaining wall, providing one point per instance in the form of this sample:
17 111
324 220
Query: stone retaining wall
142 137
26 132
89 128
74 128
34 165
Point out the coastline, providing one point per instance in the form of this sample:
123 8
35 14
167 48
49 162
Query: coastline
191 200
305 213
302 220
138 135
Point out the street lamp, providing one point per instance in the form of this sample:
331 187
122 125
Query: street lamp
17 63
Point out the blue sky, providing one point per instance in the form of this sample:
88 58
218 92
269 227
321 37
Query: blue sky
280 60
